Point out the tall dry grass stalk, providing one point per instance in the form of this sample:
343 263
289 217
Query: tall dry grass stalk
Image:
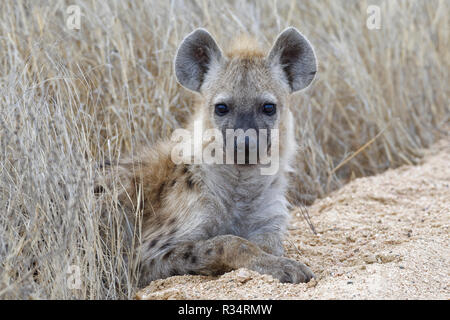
69 99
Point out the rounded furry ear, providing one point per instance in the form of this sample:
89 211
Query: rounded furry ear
293 53
198 52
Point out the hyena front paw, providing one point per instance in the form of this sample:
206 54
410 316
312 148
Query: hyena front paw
284 269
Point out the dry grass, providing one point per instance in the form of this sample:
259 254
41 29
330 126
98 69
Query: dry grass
72 98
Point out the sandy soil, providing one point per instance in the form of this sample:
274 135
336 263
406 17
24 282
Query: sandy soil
381 237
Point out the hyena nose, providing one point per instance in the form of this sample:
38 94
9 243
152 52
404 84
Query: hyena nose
247 143
245 121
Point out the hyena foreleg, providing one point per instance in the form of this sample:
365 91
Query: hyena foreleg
225 253
270 242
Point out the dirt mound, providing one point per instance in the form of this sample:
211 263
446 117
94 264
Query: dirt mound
380 237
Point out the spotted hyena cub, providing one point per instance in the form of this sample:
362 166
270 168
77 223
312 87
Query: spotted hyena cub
210 217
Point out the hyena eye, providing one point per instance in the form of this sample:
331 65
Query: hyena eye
269 109
221 109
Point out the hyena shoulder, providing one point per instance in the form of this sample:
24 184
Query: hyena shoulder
150 180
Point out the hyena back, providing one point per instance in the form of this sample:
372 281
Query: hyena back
212 218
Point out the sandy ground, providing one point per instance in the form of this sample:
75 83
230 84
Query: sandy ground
381 237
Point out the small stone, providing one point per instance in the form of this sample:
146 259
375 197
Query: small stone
243 275
369 259
312 283
386 258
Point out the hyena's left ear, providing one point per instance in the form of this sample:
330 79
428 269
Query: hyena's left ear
293 53
197 54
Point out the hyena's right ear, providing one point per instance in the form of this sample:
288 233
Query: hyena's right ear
197 54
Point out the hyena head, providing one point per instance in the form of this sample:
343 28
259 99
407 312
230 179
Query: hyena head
245 88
